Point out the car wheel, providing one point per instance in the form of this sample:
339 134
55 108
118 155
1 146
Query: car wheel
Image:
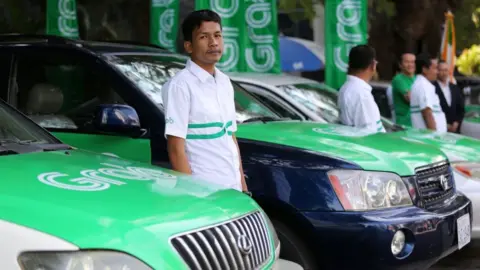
293 248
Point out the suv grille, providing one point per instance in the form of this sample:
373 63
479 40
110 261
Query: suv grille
435 184
243 243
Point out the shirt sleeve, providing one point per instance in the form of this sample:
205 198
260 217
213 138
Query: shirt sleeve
423 99
176 100
367 115
232 108
399 86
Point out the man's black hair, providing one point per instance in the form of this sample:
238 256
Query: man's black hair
195 19
423 61
360 58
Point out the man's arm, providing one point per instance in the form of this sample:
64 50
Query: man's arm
400 87
428 117
177 154
242 176
176 99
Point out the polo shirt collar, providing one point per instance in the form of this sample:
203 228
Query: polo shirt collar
199 72
359 82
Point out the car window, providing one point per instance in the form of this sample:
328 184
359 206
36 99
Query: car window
150 72
60 91
271 102
316 98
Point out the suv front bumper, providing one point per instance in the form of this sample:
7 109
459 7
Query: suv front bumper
362 240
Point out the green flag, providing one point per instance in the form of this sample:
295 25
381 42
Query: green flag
164 23
345 27
250 33
62 18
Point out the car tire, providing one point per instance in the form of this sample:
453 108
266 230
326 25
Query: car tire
293 248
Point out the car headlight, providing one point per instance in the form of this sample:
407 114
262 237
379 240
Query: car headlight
80 260
468 169
362 190
271 228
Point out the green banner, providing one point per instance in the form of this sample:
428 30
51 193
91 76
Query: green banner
62 18
164 23
345 27
250 32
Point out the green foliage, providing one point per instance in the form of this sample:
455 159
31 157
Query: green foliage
467 24
293 7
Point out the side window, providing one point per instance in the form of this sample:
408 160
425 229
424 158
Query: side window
271 102
60 90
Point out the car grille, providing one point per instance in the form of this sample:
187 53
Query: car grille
435 184
239 244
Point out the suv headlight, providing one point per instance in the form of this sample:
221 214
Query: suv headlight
364 190
80 260
468 169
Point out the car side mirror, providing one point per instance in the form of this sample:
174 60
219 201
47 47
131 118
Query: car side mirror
117 118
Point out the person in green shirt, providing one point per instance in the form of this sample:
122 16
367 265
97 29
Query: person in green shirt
401 86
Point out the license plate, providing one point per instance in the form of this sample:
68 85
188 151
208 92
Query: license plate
463 230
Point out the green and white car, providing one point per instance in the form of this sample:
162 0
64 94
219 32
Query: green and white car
304 99
64 208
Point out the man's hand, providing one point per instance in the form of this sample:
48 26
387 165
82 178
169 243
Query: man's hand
407 96
428 117
453 127
242 176
177 155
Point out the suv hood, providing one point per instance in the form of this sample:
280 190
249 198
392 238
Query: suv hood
102 202
455 146
379 152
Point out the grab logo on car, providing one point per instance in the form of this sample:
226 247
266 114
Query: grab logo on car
103 178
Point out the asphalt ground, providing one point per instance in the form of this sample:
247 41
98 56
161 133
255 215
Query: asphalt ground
468 258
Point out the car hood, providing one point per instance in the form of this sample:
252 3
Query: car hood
455 146
102 202
379 152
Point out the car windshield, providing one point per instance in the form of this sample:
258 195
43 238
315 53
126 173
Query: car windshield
16 128
316 98
150 72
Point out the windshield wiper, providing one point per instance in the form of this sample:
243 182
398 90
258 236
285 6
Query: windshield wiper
265 119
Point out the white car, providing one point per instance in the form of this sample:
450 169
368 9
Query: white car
305 99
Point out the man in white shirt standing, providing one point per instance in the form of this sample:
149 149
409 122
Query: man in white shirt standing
357 105
200 117
425 109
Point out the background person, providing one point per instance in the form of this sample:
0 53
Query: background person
425 109
357 105
451 99
401 86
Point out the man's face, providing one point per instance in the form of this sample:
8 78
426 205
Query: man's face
207 43
443 72
431 72
408 63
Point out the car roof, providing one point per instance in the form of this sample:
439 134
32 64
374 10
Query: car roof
96 47
270 78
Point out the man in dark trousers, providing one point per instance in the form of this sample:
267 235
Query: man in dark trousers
451 99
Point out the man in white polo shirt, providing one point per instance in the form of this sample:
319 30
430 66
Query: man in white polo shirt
200 117
357 105
425 110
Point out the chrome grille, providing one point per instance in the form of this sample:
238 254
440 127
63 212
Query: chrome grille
435 184
225 246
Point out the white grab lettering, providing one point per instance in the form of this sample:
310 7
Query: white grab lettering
103 178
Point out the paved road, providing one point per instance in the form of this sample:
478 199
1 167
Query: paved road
466 259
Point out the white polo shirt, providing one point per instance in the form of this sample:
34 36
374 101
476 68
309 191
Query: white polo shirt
423 95
200 108
358 107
